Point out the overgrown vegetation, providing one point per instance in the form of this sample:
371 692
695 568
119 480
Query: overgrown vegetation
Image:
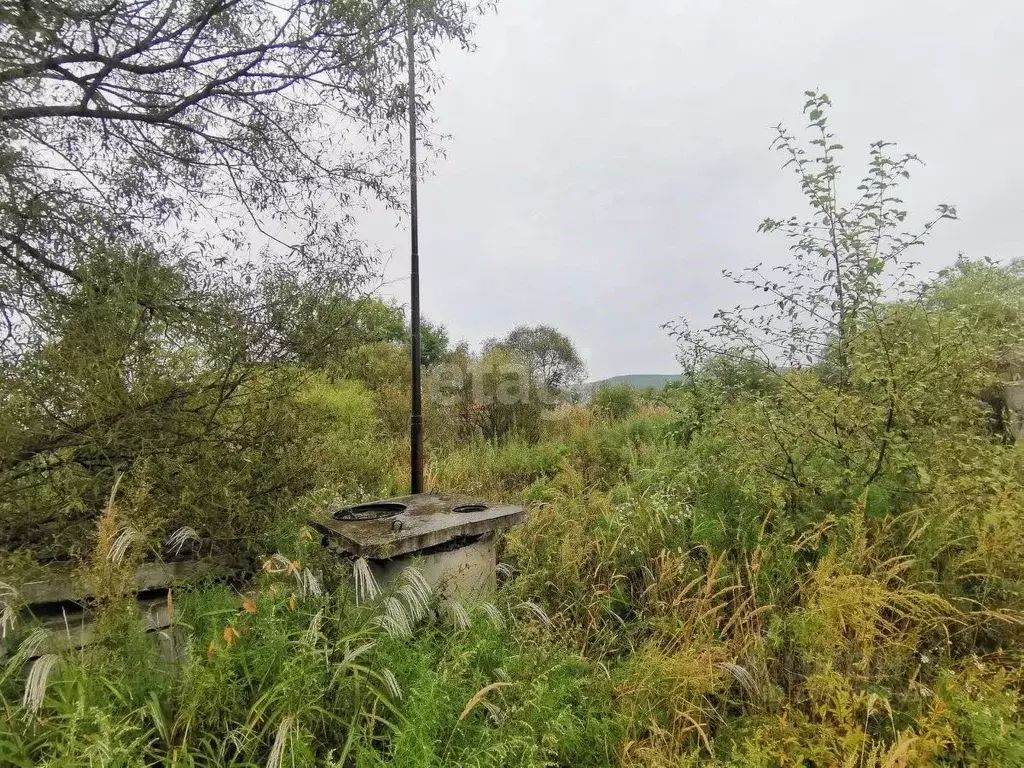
807 554
177 252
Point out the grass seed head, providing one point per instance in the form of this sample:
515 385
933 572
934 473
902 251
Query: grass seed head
35 685
177 540
531 607
276 757
494 615
391 683
124 541
365 583
459 615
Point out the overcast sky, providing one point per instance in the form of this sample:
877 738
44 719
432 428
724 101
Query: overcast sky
609 159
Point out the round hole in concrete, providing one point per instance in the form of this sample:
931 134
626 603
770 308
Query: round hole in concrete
475 507
377 510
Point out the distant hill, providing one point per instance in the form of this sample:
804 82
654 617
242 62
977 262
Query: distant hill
635 380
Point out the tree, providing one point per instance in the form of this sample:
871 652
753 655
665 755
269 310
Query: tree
321 329
989 293
616 401
175 238
841 328
730 375
493 394
433 343
550 355
990 298
190 126
844 259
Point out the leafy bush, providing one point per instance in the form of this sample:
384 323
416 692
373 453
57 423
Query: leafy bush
782 561
616 401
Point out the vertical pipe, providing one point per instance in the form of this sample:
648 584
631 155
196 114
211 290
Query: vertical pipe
416 422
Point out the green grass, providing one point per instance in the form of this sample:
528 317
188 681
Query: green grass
695 611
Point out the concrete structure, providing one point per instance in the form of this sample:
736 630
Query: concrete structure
62 601
1013 394
63 582
450 538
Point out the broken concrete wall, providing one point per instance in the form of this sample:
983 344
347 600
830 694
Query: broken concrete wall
60 600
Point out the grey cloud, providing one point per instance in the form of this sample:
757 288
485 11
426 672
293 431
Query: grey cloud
609 159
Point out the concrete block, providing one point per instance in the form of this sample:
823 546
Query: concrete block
461 573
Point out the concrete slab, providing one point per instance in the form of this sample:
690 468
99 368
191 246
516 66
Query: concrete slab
73 629
63 583
393 527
